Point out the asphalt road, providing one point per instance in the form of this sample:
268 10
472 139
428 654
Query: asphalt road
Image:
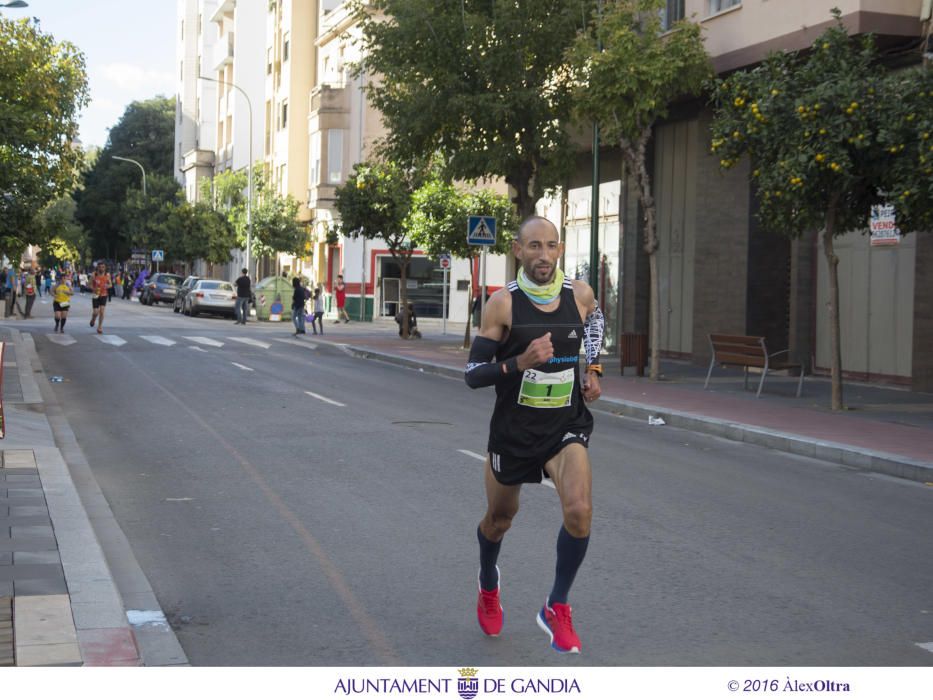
279 528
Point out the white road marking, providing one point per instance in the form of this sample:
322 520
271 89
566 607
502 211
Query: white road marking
204 341
179 499
157 340
250 341
195 347
114 340
926 646
324 399
302 343
141 618
482 458
243 367
59 339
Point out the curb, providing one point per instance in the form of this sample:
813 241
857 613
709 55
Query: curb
837 453
87 532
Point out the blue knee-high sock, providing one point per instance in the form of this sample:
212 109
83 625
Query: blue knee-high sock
488 554
570 553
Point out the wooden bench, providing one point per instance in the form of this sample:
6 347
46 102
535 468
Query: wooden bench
748 351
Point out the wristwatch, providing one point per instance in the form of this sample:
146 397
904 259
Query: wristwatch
595 369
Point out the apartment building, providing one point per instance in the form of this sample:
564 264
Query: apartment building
343 129
718 271
290 74
195 101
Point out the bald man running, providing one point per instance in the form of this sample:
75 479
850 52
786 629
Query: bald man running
528 348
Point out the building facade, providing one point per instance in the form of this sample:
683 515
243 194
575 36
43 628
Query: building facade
718 272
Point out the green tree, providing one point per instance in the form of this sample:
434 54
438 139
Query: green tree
479 81
145 133
192 232
143 218
626 74
437 223
830 133
374 203
43 87
66 239
276 228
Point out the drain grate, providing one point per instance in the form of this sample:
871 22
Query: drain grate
6 631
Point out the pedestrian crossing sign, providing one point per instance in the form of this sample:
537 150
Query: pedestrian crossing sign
481 230
158 256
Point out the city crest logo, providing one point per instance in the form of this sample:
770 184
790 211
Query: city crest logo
468 683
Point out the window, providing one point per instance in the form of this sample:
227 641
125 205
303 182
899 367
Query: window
335 156
720 5
672 12
181 70
285 43
314 160
269 61
200 27
284 122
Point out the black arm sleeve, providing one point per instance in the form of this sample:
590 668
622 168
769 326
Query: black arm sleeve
481 370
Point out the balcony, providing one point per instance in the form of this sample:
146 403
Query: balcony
223 52
325 98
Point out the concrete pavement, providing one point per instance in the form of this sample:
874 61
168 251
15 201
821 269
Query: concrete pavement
59 601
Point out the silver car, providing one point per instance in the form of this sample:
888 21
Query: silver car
210 296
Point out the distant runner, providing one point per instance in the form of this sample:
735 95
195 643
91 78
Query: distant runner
100 284
528 347
61 302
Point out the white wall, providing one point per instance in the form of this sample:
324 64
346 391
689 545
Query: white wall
249 72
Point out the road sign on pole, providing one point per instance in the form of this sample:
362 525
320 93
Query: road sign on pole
158 255
444 260
481 230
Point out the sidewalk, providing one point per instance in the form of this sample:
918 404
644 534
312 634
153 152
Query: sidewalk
59 600
884 429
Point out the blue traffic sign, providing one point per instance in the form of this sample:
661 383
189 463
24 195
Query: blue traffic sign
158 255
481 230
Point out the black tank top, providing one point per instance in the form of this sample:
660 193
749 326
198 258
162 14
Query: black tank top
536 408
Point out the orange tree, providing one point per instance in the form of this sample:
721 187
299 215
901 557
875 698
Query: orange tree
831 132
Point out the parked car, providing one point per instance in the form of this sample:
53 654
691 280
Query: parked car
182 292
210 296
159 287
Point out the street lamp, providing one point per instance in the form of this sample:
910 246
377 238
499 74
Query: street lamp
15 3
139 165
249 167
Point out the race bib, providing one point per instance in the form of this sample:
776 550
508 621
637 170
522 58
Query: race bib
546 389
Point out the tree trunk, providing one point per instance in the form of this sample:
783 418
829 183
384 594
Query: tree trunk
469 323
636 155
403 293
835 333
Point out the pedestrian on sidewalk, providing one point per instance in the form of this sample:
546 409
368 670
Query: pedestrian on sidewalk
243 294
12 291
318 315
61 302
30 288
413 331
340 295
299 298
99 286
47 280
528 348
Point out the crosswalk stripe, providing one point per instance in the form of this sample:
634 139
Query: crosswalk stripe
204 341
195 347
302 343
250 341
324 399
157 340
243 367
111 340
61 338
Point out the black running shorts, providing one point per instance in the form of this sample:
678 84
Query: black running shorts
97 302
510 470
56 306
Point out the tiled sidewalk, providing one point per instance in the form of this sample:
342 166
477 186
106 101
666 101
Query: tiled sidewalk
33 593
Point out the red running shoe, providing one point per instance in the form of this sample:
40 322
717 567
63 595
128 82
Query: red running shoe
556 621
489 610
